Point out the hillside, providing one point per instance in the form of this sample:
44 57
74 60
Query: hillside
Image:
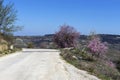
37 40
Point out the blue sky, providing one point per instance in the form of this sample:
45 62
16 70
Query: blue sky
41 17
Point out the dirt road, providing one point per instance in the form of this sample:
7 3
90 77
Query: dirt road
39 64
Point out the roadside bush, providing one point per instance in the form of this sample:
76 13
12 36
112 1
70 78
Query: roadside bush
67 36
118 65
30 45
96 47
52 45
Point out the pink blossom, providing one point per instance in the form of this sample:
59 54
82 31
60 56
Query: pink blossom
97 47
66 36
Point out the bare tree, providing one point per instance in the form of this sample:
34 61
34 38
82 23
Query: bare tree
7 18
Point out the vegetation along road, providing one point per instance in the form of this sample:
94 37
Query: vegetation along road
39 64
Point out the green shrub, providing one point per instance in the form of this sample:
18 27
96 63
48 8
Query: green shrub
30 45
118 65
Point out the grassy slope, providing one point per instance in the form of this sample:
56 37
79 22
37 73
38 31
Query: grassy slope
97 66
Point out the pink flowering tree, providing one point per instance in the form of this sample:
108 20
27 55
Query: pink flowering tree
67 36
97 47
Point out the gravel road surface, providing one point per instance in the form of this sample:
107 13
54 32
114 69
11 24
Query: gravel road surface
39 64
